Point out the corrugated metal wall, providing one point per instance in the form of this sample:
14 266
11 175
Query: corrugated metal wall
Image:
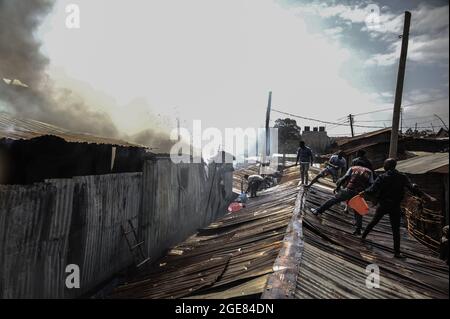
46 226
49 225
179 199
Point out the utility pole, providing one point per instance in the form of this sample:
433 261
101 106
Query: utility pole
350 118
269 107
415 128
399 90
401 120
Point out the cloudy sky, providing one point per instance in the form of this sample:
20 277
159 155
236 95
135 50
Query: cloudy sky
147 62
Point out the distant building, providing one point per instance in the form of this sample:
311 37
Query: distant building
376 145
317 139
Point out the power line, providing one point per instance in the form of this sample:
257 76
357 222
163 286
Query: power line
345 122
332 127
321 121
403 106
405 119
309 119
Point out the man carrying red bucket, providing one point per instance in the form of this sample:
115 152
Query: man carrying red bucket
358 178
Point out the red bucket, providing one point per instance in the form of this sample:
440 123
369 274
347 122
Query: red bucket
235 207
359 205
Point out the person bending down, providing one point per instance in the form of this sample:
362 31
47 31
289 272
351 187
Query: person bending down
389 190
254 182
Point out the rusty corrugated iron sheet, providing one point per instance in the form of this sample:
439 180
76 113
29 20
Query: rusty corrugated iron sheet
46 226
25 129
178 200
425 163
344 141
334 261
229 258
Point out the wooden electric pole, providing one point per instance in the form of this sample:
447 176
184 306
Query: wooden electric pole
269 107
399 90
350 118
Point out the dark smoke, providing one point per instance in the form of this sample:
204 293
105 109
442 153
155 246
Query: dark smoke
21 59
159 142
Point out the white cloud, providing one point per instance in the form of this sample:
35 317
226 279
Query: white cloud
423 49
429 34
201 59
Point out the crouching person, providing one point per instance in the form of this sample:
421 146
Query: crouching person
254 182
358 178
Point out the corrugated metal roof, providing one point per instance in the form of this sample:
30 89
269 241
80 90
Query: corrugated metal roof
424 163
361 147
363 136
25 129
333 263
229 258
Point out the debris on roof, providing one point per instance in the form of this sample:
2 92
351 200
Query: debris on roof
333 263
229 258
25 129
250 253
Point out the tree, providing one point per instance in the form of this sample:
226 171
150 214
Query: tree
288 135
287 129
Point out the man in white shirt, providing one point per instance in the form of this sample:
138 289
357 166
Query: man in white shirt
335 166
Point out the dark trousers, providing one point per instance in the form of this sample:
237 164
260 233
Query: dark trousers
343 195
304 176
253 187
394 212
359 220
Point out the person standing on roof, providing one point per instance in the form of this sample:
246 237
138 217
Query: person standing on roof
358 178
388 191
254 182
305 157
335 165
361 157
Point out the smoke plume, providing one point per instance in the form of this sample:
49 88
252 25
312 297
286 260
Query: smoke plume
21 59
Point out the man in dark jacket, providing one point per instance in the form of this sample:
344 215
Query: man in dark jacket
361 158
357 178
305 157
389 190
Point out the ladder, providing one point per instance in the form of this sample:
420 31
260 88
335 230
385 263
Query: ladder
135 247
